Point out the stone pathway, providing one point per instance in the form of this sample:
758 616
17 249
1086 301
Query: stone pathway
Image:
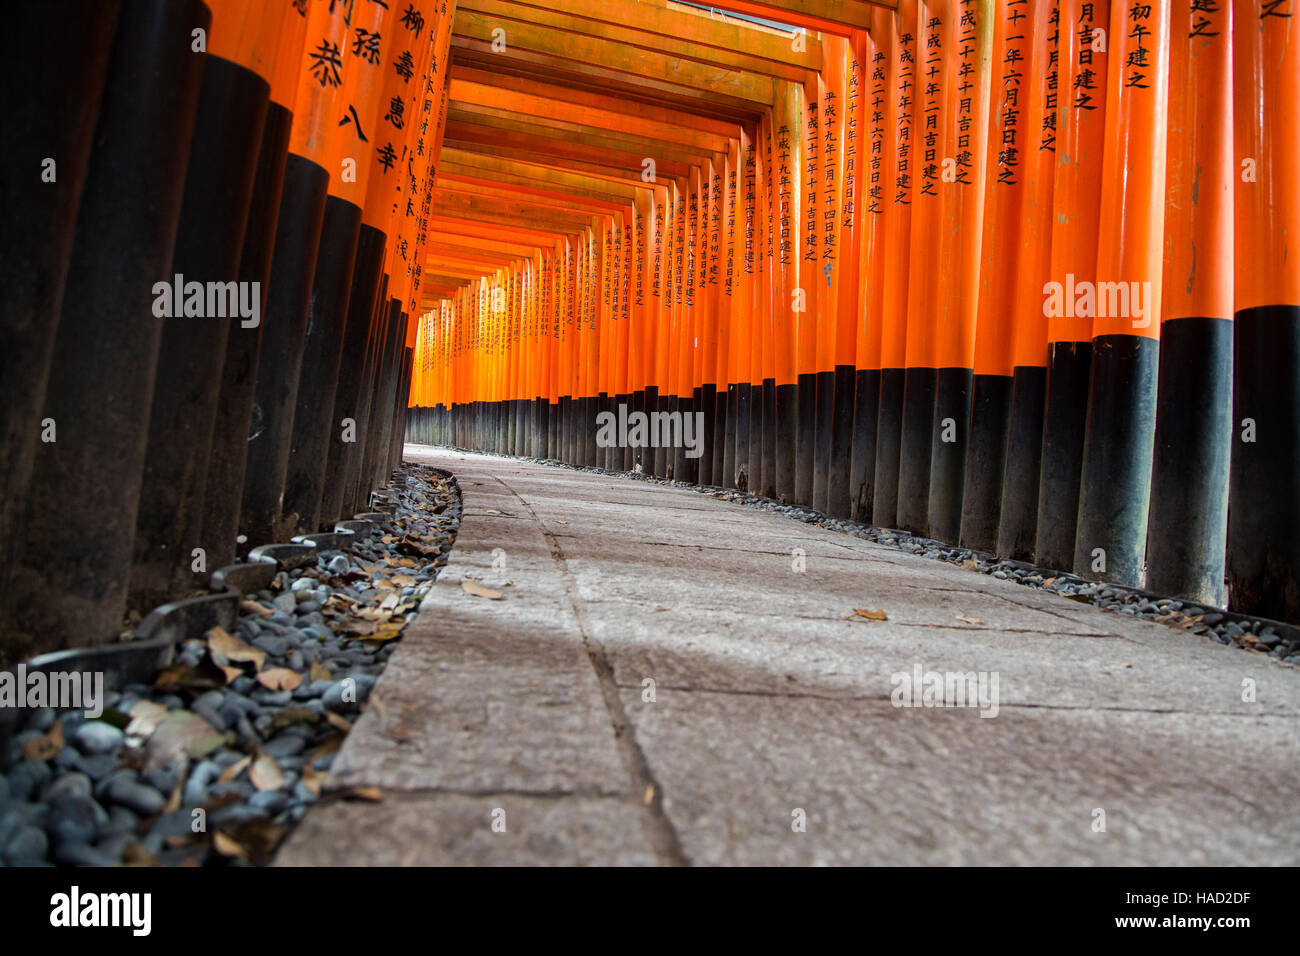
520 730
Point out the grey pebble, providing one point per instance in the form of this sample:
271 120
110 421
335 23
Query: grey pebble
26 777
28 843
98 737
134 795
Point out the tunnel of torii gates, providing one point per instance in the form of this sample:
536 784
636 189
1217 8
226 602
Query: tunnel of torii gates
1021 275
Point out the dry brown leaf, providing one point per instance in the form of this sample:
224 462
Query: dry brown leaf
207 676
389 602
870 615
404 581
384 584
174 799
234 770
473 587
382 632
319 671
228 847
338 721
371 794
329 746
969 620
252 607
279 678
134 854
357 628
145 716
970 564
265 773
46 746
178 735
233 649
231 673
560 521
312 779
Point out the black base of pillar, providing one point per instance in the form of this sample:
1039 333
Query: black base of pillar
1187 530
915 450
1018 515
986 455
889 440
1064 418
949 443
1115 486
1264 518
862 467
805 453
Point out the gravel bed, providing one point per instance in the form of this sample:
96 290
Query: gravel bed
1262 636
216 760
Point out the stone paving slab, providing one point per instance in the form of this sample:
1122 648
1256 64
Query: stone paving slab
768 701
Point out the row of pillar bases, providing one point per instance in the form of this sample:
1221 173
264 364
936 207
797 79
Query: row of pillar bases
1001 464
135 444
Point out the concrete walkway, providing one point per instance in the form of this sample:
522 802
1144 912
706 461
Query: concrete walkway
771 705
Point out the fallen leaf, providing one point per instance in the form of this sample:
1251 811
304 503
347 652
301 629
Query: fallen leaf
233 649
46 746
382 632
473 587
228 847
258 838
560 521
145 716
174 799
134 854
265 773
390 601
234 770
968 619
207 676
319 672
338 721
293 716
181 734
356 627
404 581
232 673
870 615
252 607
371 794
313 779
970 564
384 584
279 678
